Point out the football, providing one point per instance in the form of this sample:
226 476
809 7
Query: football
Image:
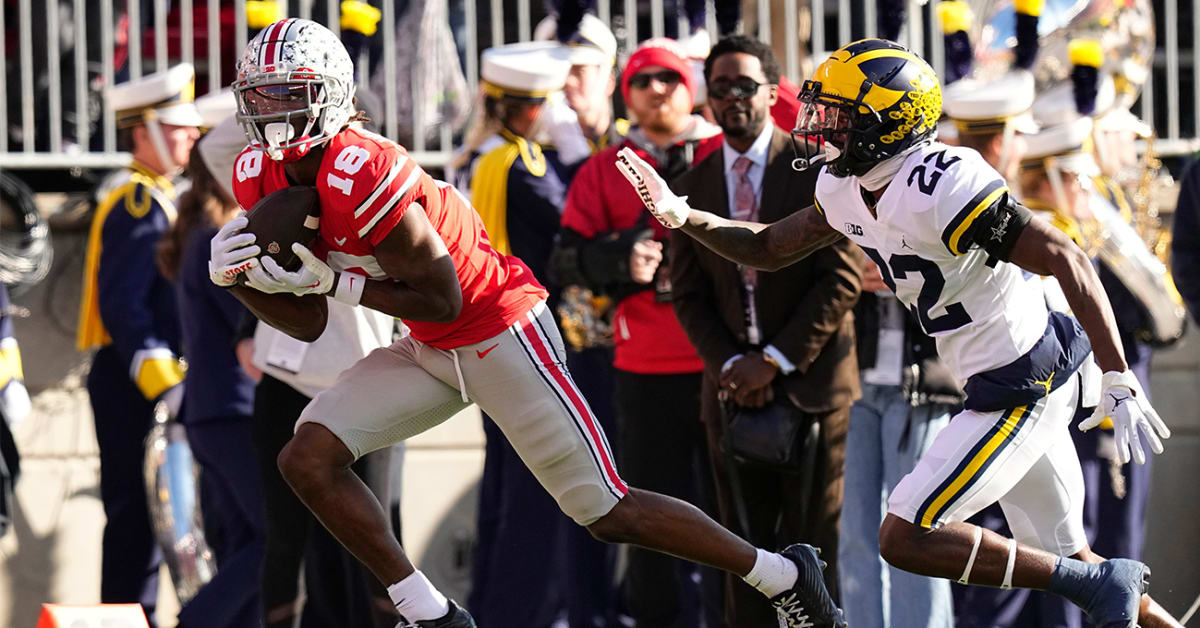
282 218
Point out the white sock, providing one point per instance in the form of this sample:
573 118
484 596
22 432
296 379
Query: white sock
772 573
417 599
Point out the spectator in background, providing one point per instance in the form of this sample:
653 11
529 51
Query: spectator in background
128 312
1185 240
580 123
908 396
518 186
218 407
609 243
14 407
784 337
339 590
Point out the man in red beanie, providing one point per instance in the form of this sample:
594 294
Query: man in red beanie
615 250
608 245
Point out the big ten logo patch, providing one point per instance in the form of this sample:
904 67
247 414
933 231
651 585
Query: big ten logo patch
853 229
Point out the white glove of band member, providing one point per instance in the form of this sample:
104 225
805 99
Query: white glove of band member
231 252
671 210
1122 400
314 277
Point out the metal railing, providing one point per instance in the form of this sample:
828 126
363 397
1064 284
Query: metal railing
102 41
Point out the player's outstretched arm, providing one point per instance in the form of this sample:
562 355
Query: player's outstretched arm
424 285
761 246
1043 249
765 247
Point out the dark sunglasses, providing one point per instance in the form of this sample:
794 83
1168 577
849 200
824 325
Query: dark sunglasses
741 88
666 77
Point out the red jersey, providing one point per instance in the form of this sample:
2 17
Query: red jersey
647 337
365 183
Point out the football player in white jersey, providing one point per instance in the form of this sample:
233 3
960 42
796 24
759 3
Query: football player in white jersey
951 242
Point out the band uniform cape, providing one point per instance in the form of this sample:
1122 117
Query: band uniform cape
519 188
126 302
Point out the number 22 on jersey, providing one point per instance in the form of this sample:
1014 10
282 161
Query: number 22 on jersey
898 267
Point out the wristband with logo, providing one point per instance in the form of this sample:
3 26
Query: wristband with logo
350 288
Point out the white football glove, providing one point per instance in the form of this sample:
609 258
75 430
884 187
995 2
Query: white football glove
231 252
671 210
1122 400
314 277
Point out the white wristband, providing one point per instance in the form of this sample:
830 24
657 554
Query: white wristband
350 288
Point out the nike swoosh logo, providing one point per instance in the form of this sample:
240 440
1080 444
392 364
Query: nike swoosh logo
340 241
486 351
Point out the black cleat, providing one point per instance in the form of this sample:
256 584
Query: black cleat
456 617
807 604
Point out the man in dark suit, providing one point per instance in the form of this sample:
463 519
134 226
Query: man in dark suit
766 337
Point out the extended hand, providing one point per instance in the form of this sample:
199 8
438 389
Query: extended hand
671 210
1122 400
314 277
231 252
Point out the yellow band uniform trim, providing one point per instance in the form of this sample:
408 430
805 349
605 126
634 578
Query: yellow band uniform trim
489 193
158 374
90 332
10 363
966 223
973 467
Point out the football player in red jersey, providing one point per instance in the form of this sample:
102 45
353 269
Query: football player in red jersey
393 239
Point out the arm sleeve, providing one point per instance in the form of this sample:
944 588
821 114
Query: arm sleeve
834 292
126 274
1185 242
997 227
693 297
966 192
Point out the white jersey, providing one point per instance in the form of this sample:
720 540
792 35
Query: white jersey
982 312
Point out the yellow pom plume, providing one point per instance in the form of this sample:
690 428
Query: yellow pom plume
359 16
1087 52
955 15
262 13
1029 7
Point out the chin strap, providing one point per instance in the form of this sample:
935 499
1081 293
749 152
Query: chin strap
159 142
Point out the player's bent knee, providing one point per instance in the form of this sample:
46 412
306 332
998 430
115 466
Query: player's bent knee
619 525
312 452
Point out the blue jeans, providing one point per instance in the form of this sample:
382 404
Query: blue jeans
887 436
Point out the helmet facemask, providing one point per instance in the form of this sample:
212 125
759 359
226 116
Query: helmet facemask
843 125
286 114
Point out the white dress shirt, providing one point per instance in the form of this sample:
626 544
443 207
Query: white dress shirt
757 154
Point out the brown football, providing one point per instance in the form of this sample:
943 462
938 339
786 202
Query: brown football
282 218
